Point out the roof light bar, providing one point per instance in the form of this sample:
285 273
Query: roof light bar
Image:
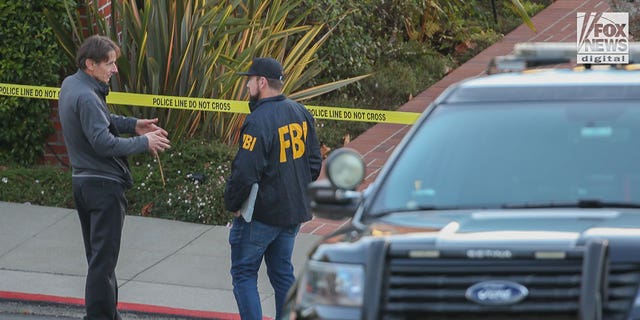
533 54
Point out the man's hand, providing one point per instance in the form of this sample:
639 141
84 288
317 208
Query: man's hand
158 137
158 141
144 126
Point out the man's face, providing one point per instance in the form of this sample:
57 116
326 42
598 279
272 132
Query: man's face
103 71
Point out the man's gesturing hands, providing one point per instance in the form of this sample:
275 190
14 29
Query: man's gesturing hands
158 137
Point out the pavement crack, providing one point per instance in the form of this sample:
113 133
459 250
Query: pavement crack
36 234
165 257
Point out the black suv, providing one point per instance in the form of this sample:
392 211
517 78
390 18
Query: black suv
516 195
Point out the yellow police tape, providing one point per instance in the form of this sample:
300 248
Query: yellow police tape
204 104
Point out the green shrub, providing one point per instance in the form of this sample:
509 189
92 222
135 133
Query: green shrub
29 55
46 186
404 74
374 36
357 35
182 198
401 75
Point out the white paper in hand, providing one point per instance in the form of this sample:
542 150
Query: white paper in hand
247 206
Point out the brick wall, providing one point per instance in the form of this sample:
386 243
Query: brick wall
55 150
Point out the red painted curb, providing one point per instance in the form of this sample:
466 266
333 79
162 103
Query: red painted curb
123 306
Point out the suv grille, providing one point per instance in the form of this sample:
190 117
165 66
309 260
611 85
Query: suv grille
435 288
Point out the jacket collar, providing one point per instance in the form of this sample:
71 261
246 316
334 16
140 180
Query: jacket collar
102 89
253 105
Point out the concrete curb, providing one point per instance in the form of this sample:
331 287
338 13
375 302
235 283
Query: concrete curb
124 307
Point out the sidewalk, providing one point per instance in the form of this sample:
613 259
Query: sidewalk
181 268
164 267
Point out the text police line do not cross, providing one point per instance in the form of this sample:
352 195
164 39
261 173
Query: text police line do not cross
214 105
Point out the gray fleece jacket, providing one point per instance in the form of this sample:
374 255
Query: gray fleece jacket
91 132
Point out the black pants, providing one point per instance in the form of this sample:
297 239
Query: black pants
101 206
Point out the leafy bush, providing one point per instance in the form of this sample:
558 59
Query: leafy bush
46 186
366 31
195 174
357 35
29 55
408 45
185 196
401 75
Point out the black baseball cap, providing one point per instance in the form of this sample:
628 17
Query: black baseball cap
265 67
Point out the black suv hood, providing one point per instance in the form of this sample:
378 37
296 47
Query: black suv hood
539 229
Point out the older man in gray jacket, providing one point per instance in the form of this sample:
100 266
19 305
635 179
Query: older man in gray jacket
101 174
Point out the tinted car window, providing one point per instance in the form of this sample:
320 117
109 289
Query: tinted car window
491 155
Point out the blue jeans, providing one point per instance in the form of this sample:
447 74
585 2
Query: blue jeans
250 242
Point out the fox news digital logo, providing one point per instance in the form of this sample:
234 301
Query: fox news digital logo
603 38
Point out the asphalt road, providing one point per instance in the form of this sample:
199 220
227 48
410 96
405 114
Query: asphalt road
5 316
14 316
28 317
14 310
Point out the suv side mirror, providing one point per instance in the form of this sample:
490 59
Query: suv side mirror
345 168
336 198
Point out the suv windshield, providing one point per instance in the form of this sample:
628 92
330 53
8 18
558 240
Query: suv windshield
496 155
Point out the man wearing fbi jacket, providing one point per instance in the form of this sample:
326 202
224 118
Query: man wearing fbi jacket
279 150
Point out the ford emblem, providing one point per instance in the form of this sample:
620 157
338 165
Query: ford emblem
496 292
